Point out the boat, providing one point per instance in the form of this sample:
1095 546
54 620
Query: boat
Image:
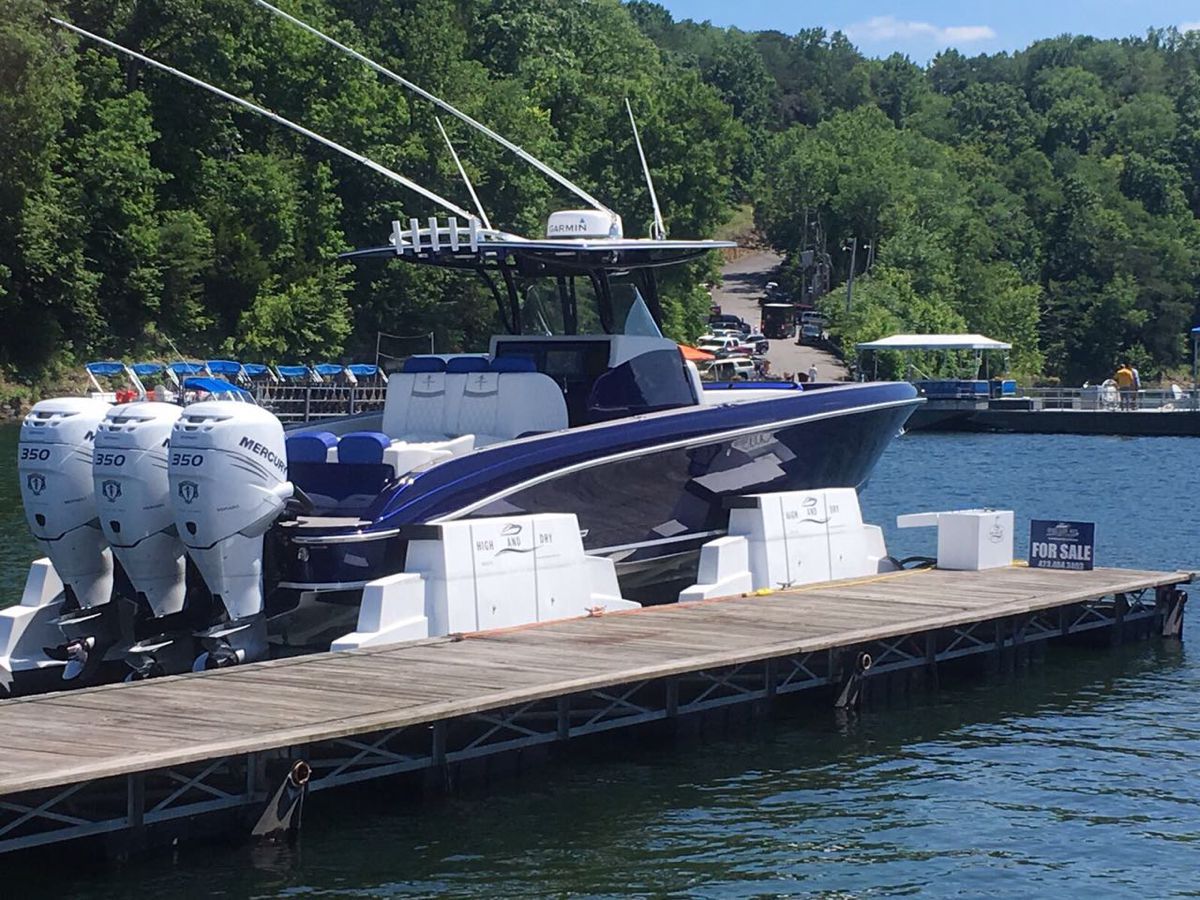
225 538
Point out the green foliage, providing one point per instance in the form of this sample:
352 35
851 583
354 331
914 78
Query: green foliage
1048 199
137 212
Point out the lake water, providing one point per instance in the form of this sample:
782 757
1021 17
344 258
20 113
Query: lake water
1079 777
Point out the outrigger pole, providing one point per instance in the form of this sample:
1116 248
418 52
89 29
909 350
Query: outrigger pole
437 101
463 172
274 117
660 230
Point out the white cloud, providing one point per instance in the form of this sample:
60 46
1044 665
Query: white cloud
1189 26
889 28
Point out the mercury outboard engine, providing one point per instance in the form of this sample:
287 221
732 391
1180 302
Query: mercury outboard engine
133 497
55 466
228 474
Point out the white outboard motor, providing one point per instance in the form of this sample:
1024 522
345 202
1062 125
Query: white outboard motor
228 475
133 497
133 500
55 467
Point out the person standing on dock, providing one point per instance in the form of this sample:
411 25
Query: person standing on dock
1124 378
1137 386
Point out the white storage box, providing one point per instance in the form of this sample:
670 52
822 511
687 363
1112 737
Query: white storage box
968 539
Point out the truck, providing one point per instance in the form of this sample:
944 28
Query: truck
777 320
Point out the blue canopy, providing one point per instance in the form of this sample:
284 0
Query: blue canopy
147 368
363 370
186 368
108 368
293 372
213 386
255 370
224 366
328 369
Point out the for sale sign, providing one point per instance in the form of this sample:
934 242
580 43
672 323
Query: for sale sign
1062 545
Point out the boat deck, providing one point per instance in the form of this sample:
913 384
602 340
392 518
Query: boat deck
430 703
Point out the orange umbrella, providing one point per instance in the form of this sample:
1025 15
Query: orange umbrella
695 355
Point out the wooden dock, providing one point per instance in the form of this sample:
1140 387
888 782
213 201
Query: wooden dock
128 760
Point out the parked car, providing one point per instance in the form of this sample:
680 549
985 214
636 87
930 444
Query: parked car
758 341
811 333
728 320
731 369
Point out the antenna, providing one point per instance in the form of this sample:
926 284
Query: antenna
659 231
274 117
437 101
463 172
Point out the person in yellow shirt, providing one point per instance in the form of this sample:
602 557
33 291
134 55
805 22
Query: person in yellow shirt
1125 379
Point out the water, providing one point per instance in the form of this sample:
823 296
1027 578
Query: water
1076 778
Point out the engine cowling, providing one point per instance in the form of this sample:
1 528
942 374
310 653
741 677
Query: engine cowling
55 466
228 477
133 497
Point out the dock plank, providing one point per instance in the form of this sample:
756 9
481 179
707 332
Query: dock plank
58 739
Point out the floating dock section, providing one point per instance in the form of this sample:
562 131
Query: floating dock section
150 761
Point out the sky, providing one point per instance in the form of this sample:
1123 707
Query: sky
920 28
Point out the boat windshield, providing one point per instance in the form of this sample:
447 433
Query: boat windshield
571 306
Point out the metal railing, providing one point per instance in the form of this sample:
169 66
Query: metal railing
1107 397
312 402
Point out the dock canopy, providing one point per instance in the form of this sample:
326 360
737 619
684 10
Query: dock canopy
935 342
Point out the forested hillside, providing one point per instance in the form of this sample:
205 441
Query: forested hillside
1048 197
136 209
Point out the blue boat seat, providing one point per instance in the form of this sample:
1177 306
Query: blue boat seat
314 466
460 364
513 364
310 447
424 364
363 447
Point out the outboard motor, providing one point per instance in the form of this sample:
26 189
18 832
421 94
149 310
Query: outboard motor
55 467
133 496
228 475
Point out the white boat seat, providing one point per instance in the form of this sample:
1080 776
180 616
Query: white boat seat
406 456
375 447
527 403
428 406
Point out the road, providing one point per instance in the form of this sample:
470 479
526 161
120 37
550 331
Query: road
745 281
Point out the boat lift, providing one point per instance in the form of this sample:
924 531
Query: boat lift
945 389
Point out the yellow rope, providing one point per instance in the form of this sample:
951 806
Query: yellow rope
826 585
